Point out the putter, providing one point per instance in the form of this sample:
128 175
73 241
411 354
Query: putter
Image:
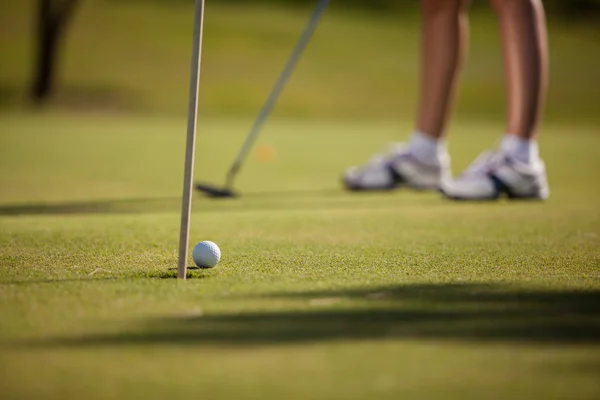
227 190
190 146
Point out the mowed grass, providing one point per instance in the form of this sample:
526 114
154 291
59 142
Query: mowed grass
319 294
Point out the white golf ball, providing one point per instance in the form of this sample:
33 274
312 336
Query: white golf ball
206 254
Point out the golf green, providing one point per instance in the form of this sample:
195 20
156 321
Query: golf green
320 293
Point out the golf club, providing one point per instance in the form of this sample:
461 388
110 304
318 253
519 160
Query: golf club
190 146
227 190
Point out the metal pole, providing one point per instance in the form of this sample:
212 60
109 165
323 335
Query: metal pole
190 145
271 101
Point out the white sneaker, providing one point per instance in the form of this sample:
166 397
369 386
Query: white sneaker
494 174
395 169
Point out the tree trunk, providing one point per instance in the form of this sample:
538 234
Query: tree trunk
51 21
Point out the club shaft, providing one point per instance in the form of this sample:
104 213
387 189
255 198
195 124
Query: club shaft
190 145
277 89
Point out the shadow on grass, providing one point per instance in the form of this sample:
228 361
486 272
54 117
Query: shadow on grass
193 272
145 205
124 206
438 312
291 193
27 282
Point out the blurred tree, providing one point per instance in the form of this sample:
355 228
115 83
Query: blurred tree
52 17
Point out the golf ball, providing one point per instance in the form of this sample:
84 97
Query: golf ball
206 254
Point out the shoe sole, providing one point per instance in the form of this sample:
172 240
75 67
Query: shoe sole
501 189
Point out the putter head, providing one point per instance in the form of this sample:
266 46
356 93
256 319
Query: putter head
215 192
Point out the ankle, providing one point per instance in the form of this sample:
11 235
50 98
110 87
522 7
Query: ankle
525 150
428 149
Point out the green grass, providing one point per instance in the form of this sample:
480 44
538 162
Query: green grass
134 56
320 293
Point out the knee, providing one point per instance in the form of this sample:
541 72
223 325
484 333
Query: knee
444 7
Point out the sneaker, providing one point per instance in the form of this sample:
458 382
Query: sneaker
495 174
395 169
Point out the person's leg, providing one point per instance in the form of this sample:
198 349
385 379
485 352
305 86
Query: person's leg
515 171
444 41
524 40
443 45
424 162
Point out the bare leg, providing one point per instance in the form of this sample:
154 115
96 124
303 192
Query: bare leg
524 40
444 42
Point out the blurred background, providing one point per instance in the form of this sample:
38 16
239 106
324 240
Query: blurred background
93 94
132 56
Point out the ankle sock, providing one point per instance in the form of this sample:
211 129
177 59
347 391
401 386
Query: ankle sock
427 149
523 150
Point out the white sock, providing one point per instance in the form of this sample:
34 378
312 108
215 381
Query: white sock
427 149
523 150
